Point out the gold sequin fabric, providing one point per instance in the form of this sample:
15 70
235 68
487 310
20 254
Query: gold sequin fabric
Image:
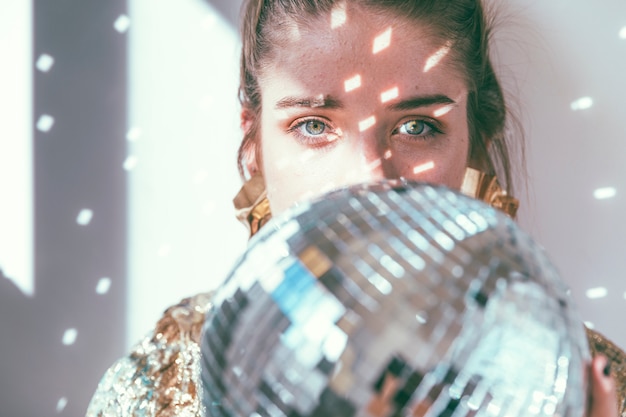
617 358
161 376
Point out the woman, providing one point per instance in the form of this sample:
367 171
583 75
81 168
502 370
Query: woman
337 92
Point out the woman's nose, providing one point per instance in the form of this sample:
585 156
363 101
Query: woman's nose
372 160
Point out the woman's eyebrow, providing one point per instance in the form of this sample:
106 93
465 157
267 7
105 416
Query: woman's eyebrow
324 102
420 101
329 102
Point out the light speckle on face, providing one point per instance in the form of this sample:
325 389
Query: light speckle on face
367 123
382 41
423 167
436 58
442 111
374 164
352 83
389 95
338 15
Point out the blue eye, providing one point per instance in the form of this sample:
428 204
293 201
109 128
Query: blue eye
314 132
414 127
314 127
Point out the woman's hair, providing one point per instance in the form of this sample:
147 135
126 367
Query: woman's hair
462 23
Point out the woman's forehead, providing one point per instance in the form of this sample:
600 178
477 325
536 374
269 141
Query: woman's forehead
369 50
360 25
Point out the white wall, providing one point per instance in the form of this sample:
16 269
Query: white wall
183 236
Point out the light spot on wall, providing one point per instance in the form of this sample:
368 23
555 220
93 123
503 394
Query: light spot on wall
103 286
134 133
44 62
69 337
604 193
582 103
130 163
84 217
595 293
61 405
45 123
122 23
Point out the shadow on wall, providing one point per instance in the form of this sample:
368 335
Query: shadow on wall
56 345
20 337
229 9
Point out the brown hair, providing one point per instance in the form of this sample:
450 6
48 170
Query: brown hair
461 22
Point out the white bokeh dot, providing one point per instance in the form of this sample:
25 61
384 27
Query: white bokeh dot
604 193
69 336
622 33
45 123
122 23
44 62
61 405
130 163
84 217
597 292
582 103
103 286
133 134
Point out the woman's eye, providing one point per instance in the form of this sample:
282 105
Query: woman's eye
415 128
314 127
314 132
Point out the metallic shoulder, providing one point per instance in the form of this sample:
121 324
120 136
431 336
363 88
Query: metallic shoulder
161 375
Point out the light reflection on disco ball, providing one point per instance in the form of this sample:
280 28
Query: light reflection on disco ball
393 299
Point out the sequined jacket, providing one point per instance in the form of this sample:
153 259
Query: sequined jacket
161 376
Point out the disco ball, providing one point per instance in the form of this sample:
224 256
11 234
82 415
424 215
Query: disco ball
393 299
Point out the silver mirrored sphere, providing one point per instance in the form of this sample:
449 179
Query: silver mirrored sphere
393 299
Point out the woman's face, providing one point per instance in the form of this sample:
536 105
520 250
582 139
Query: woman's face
357 97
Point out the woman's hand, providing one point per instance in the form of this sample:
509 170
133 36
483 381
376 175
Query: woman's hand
602 393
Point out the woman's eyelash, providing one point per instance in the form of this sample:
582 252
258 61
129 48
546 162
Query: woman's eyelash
313 131
317 132
416 127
